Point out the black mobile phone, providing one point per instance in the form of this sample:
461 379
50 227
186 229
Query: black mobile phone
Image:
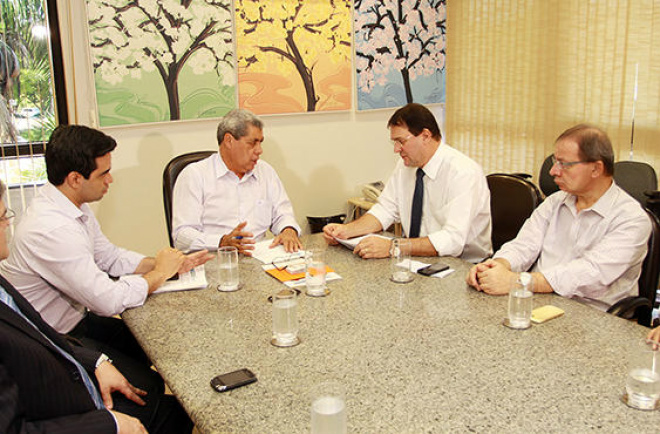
232 380
432 269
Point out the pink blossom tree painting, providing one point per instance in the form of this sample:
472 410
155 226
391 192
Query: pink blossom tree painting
399 52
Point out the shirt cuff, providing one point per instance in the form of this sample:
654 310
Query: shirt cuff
102 358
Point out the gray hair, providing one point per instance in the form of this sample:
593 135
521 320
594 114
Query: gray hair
236 123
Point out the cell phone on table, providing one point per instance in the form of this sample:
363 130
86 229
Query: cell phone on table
232 380
432 269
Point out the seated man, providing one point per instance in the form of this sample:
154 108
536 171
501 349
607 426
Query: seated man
46 385
64 265
439 195
587 241
232 198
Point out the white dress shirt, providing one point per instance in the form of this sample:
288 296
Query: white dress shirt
456 205
61 262
594 255
209 201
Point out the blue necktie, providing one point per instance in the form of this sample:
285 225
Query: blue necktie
93 392
416 214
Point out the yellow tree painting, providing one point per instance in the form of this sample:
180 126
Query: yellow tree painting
293 55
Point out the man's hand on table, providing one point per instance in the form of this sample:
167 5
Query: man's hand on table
373 247
289 239
335 230
491 277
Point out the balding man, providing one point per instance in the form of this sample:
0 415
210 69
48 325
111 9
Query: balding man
587 241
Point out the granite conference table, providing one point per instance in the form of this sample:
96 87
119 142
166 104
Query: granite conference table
431 356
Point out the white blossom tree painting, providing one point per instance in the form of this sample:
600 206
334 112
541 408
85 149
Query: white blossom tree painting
158 60
399 52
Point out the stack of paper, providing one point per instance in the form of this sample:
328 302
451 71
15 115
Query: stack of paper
193 279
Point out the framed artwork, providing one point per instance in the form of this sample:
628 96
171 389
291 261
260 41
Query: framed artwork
160 60
293 55
399 52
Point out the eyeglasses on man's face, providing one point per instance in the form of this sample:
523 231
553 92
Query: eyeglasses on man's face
7 216
400 141
565 164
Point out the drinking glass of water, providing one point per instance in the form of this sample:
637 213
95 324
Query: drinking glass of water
228 269
285 318
643 382
315 272
400 262
520 301
328 408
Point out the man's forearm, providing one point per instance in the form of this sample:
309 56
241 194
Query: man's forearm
422 247
367 224
155 279
146 265
541 284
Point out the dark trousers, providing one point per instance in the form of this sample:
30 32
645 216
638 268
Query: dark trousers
110 336
163 414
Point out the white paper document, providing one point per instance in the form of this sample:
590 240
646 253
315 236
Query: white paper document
301 282
193 279
265 254
352 242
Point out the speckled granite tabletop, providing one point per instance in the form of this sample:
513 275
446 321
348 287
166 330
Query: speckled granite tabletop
426 357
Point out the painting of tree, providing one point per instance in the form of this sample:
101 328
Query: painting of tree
399 52
294 55
185 45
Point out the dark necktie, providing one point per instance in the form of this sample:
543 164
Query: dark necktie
416 214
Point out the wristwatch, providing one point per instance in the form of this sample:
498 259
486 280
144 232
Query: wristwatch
102 359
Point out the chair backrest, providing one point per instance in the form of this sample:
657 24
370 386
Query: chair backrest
546 181
648 279
635 177
512 201
170 174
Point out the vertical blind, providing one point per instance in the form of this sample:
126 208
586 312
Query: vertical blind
520 72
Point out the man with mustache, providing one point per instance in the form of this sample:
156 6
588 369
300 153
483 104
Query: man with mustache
232 198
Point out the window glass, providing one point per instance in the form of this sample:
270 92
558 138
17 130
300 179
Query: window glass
27 94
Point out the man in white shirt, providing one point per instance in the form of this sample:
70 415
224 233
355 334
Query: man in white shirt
439 195
587 241
66 268
232 198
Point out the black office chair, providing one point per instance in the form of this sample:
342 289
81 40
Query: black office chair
170 174
636 178
512 201
641 306
546 181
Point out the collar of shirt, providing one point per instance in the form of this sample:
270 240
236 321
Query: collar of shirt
432 168
221 169
603 205
63 203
